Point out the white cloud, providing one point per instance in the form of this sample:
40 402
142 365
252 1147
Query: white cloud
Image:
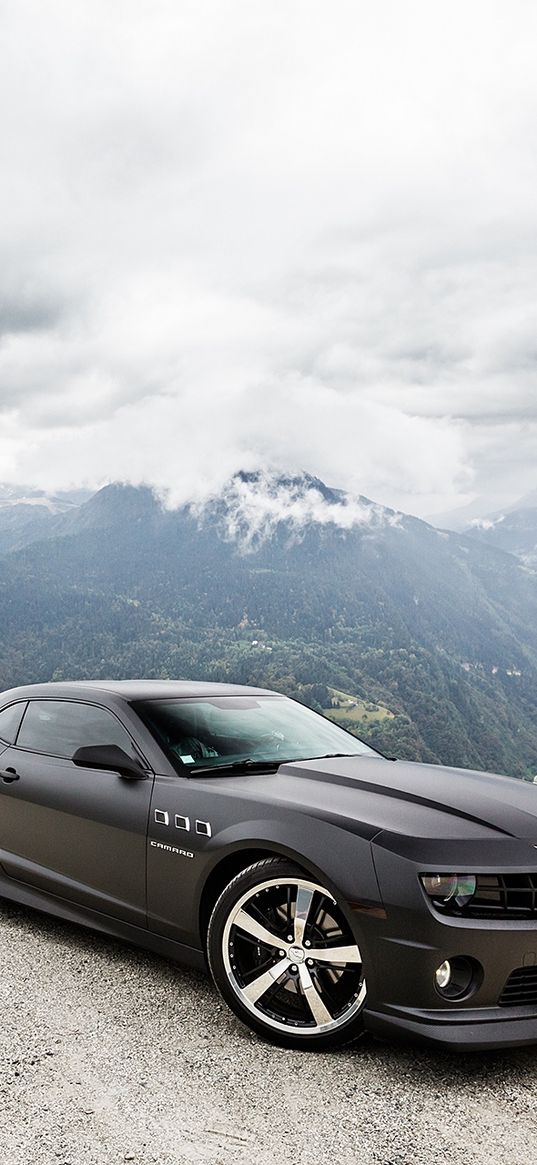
486 523
256 504
287 234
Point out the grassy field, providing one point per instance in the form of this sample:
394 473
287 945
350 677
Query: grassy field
347 707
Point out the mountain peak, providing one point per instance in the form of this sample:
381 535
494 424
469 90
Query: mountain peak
272 482
16 496
254 506
117 502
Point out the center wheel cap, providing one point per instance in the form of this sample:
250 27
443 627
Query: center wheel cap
297 954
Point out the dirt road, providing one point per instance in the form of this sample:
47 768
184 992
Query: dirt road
110 1055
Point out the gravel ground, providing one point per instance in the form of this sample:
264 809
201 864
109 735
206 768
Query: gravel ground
110 1055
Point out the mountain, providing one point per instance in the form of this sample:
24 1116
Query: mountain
27 515
423 640
528 502
462 517
513 530
11 495
481 511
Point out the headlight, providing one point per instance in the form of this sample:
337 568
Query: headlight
457 889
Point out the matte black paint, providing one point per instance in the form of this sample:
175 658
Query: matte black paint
77 842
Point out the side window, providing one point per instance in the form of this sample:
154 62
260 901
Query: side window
59 727
10 719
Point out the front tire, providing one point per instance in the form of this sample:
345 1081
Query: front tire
284 957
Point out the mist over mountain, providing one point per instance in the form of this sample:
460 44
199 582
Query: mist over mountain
513 529
420 640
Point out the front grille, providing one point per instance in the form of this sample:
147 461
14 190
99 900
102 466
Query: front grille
498 896
521 988
504 896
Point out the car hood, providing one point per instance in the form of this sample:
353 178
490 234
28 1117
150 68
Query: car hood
415 799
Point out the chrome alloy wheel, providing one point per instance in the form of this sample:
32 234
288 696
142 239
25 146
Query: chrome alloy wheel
291 959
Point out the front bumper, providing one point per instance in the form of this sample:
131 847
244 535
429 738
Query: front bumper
468 1030
404 949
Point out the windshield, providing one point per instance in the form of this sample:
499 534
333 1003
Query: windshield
215 731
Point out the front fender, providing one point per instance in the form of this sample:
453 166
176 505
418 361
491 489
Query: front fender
340 859
180 870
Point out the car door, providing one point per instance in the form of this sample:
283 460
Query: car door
77 833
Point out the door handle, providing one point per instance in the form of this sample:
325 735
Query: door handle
8 775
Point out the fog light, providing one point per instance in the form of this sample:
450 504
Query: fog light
443 975
458 977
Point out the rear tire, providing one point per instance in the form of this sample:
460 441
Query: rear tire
284 958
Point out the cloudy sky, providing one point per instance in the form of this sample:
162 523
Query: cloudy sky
270 232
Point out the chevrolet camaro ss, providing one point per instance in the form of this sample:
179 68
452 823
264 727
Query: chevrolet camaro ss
328 889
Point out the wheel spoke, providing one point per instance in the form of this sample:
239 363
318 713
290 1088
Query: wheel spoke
258 986
304 899
335 955
245 922
318 1010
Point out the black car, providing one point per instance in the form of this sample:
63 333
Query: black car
329 889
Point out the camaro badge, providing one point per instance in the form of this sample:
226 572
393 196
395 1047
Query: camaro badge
172 849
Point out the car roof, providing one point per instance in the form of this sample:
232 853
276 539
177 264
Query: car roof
130 690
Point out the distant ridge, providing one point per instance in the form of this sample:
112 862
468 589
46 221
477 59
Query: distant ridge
514 531
282 581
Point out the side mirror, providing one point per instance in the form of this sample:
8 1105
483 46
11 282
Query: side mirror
111 758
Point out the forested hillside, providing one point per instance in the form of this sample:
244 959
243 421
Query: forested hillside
422 641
